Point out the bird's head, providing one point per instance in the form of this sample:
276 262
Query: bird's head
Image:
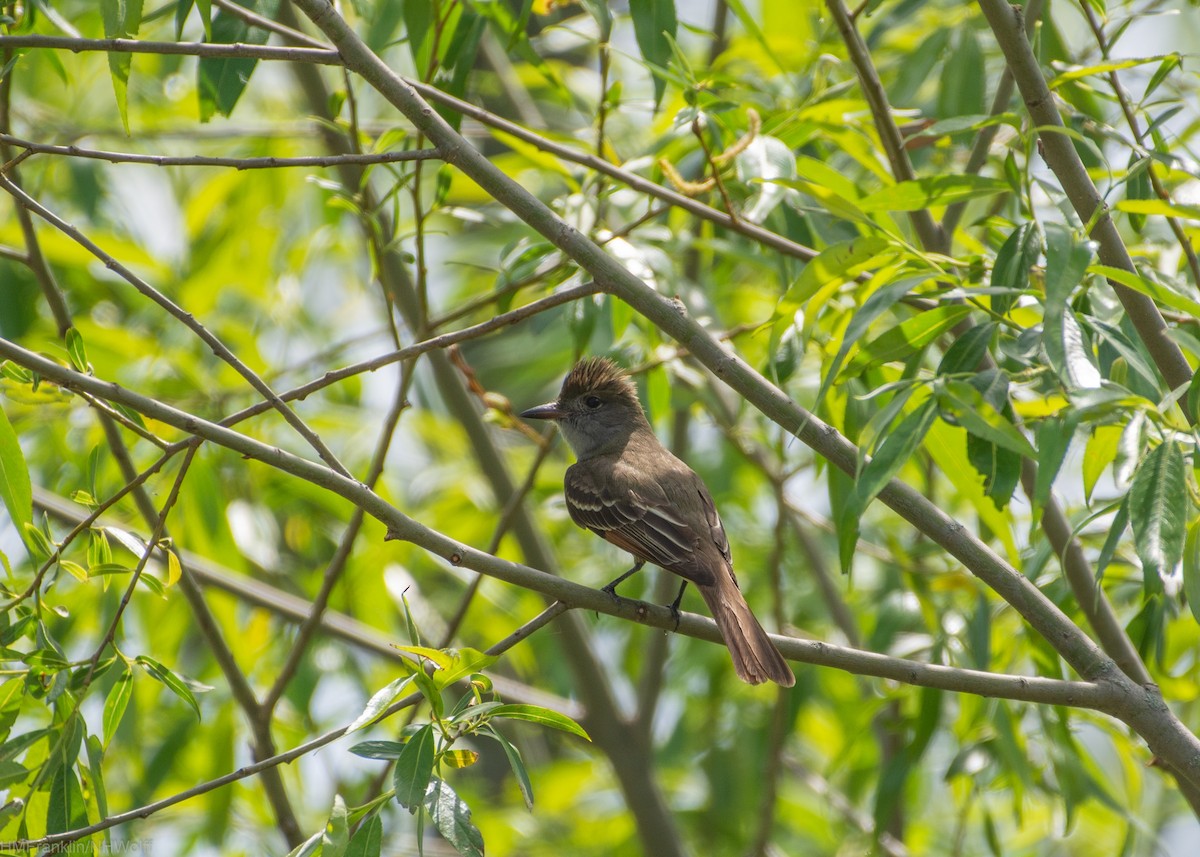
597 408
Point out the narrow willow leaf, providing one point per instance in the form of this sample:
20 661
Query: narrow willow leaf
122 18
115 703
517 764
460 758
463 662
1066 261
837 262
654 26
15 487
221 81
1157 511
977 415
66 809
1191 569
1017 255
1053 440
967 351
542 716
414 767
379 702
1100 452
76 350
368 840
336 837
452 818
378 749
1116 533
930 191
170 679
900 342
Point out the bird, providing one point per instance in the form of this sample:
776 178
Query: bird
630 490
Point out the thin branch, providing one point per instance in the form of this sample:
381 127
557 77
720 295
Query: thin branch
1142 708
263 765
639 183
1060 155
337 564
1131 119
236 50
206 161
295 609
288 34
151 544
1099 695
881 113
189 321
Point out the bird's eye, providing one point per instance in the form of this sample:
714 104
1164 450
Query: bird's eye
593 402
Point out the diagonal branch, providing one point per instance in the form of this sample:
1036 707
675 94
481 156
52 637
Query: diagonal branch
1102 695
1059 153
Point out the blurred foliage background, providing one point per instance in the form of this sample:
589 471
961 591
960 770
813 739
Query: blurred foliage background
958 314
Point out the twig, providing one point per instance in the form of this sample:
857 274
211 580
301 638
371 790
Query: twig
1185 242
306 55
267 764
207 161
885 124
1141 708
1101 695
1060 155
151 544
189 321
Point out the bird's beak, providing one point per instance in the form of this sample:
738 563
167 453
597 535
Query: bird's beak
548 411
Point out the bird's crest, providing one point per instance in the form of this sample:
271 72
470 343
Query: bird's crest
596 374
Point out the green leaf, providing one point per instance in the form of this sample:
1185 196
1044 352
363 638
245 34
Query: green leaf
414 767
837 263
115 703
1149 287
1078 72
67 809
76 350
930 191
173 682
221 81
336 837
368 840
1158 512
517 764
905 339
378 749
1053 439
379 702
1191 569
963 88
1017 255
419 28
977 415
1100 451
654 26
122 18
967 351
15 487
1066 261
542 716
440 659
452 818
1116 532
463 662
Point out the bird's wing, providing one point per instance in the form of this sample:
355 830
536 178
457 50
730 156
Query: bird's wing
635 521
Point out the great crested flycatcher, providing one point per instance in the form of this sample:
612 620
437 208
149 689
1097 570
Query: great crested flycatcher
629 489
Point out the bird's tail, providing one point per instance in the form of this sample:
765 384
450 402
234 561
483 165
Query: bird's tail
755 657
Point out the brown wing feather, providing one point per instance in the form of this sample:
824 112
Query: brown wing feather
647 529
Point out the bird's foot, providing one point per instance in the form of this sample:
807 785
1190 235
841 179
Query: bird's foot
674 605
